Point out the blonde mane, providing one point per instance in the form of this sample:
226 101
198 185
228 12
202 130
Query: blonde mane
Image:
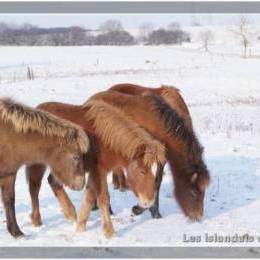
25 120
121 134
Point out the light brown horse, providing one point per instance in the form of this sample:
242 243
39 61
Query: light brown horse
173 98
117 142
184 153
30 136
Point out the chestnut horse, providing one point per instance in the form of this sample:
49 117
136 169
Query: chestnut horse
170 94
30 136
174 99
184 153
117 142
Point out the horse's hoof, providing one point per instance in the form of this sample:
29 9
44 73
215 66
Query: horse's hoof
71 219
155 212
137 210
70 216
123 189
110 234
36 222
156 215
81 228
17 234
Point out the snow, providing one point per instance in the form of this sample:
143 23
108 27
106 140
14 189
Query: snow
223 95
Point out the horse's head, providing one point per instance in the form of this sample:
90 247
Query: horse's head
141 180
190 186
67 164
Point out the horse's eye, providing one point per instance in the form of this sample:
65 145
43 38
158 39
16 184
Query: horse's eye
142 172
193 193
76 157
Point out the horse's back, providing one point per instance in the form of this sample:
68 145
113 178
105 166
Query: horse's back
170 94
66 111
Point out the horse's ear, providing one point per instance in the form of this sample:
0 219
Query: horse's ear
140 151
194 177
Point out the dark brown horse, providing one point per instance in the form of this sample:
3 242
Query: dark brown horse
29 136
184 153
116 142
174 99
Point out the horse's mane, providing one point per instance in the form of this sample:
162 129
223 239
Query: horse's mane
169 92
173 97
25 120
176 126
121 134
168 88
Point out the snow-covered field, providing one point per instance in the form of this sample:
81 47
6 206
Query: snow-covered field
223 94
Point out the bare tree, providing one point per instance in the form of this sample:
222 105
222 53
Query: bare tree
194 20
111 26
145 30
77 35
206 38
243 33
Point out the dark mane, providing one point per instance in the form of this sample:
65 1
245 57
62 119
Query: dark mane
176 127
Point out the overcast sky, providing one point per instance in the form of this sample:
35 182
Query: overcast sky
92 21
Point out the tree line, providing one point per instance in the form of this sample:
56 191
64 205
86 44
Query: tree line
110 32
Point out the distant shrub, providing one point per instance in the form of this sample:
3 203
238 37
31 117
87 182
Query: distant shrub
115 38
162 36
110 33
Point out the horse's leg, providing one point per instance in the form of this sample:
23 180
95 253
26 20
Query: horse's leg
110 208
158 180
104 204
97 185
95 206
65 203
34 177
89 198
8 197
115 179
137 210
122 180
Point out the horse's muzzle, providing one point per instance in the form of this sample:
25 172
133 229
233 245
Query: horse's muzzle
78 183
196 216
145 203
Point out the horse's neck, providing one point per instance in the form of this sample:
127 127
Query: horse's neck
111 159
177 103
24 148
177 162
178 146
